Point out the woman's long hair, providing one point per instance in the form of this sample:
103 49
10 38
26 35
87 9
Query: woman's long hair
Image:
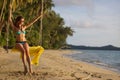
17 19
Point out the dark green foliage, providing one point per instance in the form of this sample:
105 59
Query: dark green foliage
11 38
33 38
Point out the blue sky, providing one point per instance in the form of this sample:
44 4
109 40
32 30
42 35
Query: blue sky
95 22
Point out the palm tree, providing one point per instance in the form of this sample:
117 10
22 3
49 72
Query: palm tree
16 5
55 31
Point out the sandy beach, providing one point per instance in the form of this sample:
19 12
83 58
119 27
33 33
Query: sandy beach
53 66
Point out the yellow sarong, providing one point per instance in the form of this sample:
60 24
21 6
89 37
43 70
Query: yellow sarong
35 53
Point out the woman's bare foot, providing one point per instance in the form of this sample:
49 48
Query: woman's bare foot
25 70
30 70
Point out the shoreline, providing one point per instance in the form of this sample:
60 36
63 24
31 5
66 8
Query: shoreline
94 63
53 66
86 62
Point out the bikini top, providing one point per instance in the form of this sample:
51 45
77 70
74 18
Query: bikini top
21 32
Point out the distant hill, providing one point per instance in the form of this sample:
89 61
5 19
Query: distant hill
108 47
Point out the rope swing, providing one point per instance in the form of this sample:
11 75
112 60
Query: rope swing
35 51
41 25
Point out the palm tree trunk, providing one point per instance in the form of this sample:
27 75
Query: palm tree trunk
3 6
1 14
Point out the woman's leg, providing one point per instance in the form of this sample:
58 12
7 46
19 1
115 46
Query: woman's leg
26 47
21 48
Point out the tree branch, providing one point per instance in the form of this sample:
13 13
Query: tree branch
10 17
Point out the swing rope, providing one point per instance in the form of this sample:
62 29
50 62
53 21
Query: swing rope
41 25
7 35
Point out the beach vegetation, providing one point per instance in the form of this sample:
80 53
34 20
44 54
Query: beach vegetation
54 30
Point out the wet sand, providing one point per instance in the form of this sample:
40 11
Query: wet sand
53 66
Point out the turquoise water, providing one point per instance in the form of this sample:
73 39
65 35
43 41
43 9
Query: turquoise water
105 58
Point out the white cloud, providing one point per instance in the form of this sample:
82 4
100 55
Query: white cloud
84 24
89 4
72 2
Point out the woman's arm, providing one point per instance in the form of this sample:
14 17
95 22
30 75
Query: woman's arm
10 20
33 21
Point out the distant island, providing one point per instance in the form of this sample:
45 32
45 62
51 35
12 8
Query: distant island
107 47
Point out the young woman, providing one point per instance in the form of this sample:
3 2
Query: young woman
21 43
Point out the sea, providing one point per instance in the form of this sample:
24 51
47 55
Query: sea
107 59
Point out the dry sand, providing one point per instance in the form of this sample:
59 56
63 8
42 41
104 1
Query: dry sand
53 66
